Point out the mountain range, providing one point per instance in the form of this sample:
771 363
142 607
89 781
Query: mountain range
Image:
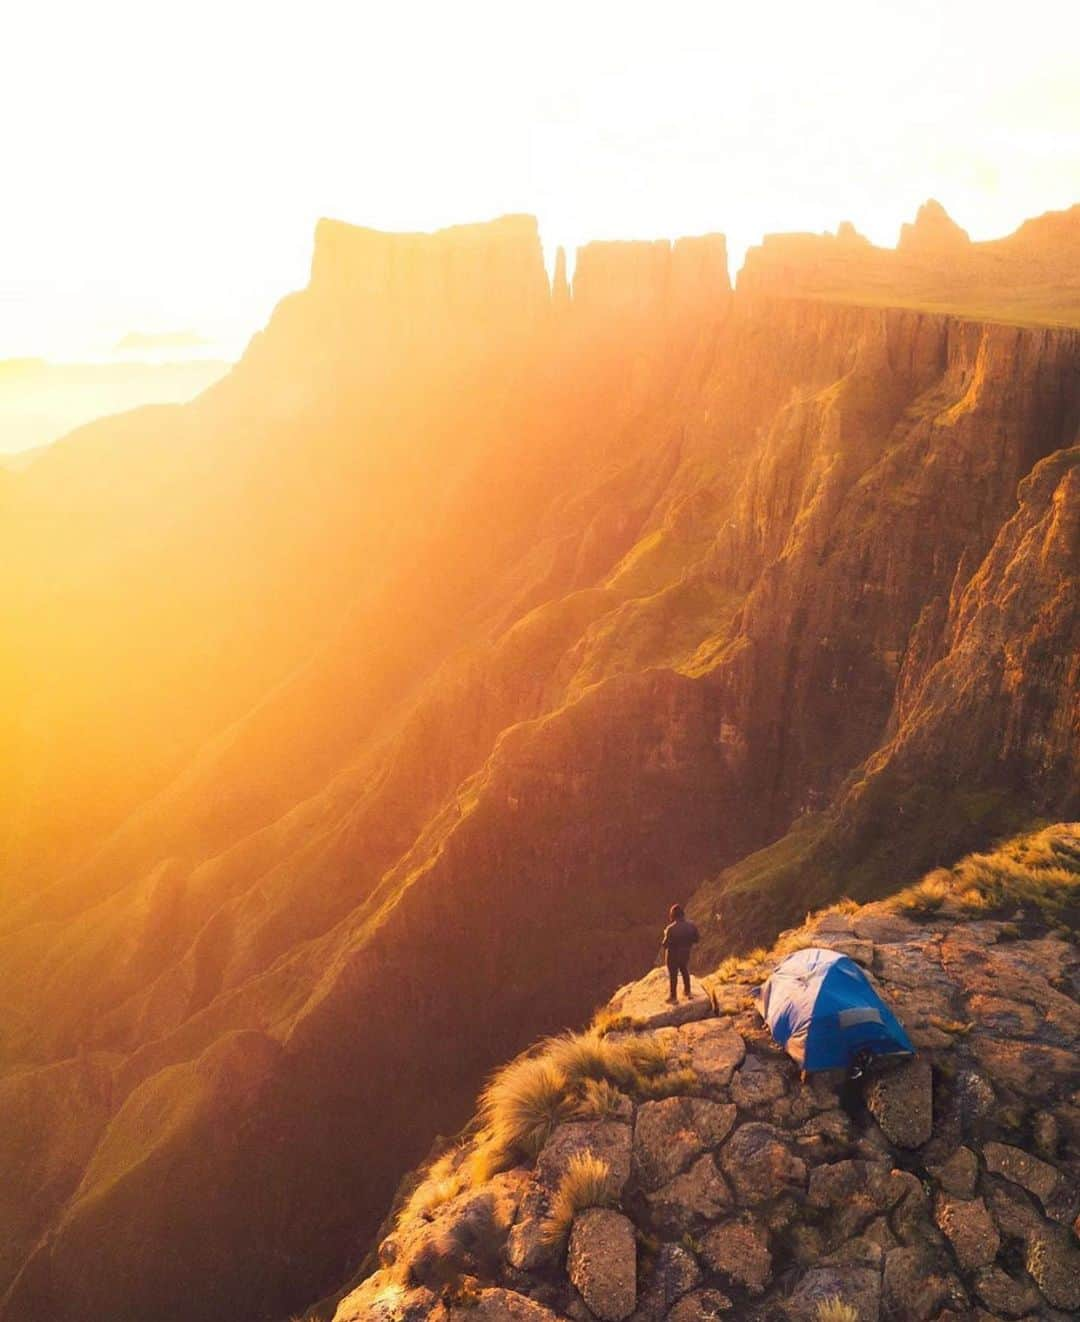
364 715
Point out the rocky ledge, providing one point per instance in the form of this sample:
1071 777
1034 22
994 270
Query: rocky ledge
721 1184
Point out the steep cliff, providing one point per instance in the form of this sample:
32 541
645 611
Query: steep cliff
424 660
669 1162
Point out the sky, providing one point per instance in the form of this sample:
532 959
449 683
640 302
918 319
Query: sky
164 163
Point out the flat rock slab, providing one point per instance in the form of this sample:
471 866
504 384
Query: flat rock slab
862 952
645 1002
883 928
714 1050
610 1140
902 1102
602 1262
669 1134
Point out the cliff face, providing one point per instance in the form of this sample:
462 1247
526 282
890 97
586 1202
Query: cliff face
680 1168
421 664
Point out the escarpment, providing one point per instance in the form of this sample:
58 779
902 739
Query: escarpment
371 708
673 1164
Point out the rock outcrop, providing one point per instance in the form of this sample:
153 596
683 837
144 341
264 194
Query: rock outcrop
913 1194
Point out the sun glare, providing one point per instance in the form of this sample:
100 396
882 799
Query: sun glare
176 180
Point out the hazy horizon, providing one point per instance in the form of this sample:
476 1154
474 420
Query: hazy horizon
207 141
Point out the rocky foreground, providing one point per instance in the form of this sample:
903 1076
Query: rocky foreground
945 1188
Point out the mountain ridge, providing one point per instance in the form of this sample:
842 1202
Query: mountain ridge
611 604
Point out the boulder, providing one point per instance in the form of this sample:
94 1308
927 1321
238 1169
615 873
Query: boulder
497 1305
757 1083
858 1287
739 1250
669 1134
1038 1177
1004 1295
913 1285
527 1247
699 1195
959 1174
1029 1068
970 1230
715 1050
902 1102
701 1306
760 1165
1053 1261
645 1002
602 1262
674 1274
381 1299
611 1140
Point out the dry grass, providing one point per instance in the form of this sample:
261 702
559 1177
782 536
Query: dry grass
586 1183
564 1076
522 1105
608 1021
834 1309
1039 871
926 896
600 1100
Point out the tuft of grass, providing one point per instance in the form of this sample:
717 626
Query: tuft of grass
926 896
833 1309
1040 870
586 1182
647 1055
581 1056
671 1084
522 1104
600 1100
608 1021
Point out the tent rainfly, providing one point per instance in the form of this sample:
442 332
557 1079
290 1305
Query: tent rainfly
821 1008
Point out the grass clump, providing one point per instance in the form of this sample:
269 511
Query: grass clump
610 1021
833 1309
926 896
522 1105
1039 871
574 1073
600 1100
586 1183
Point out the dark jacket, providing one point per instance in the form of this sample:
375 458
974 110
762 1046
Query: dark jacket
679 936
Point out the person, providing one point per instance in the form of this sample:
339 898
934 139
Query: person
679 935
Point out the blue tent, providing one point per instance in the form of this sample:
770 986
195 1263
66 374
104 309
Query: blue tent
821 1008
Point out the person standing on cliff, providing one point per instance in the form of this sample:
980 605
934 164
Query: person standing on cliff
679 936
